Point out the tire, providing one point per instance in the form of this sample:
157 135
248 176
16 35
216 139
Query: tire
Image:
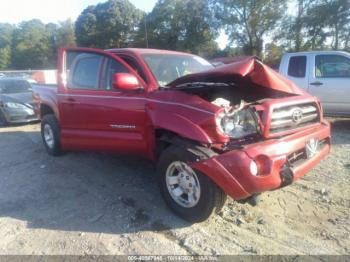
3 121
211 198
50 128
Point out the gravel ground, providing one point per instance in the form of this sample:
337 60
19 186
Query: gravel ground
89 203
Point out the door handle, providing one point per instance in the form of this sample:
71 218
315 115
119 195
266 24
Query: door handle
316 83
72 101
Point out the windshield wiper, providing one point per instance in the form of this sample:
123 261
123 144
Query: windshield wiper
203 84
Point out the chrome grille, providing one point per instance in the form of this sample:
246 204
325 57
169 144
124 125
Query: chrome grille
292 117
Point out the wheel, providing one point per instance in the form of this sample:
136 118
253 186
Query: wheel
50 133
188 192
3 121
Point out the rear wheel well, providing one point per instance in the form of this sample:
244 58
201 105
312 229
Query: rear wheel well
46 110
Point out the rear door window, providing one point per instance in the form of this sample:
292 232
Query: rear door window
297 66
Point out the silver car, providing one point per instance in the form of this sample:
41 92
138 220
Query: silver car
16 103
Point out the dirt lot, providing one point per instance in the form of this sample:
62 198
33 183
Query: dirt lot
89 203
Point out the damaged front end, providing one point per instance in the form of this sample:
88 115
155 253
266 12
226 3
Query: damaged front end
236 122
269 124
241 93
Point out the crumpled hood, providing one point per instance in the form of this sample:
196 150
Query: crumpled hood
250 70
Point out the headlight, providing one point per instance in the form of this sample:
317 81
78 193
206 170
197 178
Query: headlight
237 125
15 105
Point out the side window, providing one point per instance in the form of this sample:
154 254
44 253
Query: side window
86 68
297 66
111 67
328 66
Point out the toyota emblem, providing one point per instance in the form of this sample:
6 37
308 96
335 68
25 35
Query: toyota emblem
297 115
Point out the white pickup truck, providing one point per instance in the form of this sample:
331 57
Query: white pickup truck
324 74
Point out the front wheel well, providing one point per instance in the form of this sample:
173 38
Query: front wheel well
46 110
210 198
166 138
163 140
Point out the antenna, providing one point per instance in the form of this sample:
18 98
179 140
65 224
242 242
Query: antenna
146 33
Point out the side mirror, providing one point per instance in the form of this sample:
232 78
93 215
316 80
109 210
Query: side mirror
126 81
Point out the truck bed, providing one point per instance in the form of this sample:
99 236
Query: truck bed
45 95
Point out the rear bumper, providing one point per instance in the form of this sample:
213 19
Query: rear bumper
275 161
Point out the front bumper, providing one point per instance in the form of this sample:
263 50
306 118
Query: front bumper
18 116
280 162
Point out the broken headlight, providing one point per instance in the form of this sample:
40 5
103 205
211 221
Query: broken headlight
238 123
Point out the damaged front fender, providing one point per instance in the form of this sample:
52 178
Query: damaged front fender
179 125
226 180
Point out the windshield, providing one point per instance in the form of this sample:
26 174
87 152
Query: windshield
14 86
167 68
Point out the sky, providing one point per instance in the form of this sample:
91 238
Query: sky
15 11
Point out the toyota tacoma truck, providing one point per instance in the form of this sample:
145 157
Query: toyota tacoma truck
324 74
237 130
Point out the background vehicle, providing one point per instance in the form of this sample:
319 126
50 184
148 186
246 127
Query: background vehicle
16 104
219 61
325 74
236 130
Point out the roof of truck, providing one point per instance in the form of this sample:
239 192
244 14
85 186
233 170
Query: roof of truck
147 51
317 52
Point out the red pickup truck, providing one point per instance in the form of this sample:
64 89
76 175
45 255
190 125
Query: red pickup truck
235 130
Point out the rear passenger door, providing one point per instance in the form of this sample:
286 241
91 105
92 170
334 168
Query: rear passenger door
93 114
330 82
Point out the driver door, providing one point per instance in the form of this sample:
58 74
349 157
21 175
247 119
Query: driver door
331 83
94 115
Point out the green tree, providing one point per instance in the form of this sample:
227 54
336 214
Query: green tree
6 31
51 32
338 17
30 46
65 35
228 52
298 25
346 38
59 35
293 28
318 24
107 25
187 25
249 22
273 54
